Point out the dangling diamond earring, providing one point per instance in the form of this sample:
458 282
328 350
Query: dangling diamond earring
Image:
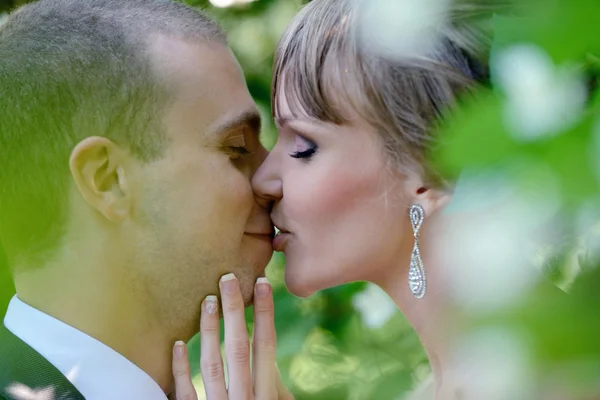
417 280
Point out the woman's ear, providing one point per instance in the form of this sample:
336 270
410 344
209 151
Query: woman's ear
419 192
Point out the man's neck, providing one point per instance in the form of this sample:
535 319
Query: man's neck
104 308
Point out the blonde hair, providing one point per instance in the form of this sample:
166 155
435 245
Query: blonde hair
329 73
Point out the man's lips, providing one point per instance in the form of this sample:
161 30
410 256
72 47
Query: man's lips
262 235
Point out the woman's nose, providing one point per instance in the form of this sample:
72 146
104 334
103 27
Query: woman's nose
266 182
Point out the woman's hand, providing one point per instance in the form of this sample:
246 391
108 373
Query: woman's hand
263 382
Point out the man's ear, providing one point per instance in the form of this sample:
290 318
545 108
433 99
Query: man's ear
97 167
418 192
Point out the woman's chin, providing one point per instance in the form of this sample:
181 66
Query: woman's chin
299 285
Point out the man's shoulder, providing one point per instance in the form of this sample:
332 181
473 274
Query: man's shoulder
22 365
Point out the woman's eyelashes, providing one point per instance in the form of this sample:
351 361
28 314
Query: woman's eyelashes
303 148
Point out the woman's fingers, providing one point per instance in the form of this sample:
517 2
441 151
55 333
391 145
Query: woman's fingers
237 345
283 393
184 390
211 363
264 342
266 384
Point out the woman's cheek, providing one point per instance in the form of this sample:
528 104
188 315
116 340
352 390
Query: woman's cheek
325 195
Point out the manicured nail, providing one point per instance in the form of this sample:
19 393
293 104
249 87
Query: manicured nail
227 277
211 304
262 287
179 349
229 283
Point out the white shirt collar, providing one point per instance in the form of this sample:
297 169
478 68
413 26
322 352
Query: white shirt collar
95 369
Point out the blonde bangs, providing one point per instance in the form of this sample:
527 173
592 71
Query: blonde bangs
316 63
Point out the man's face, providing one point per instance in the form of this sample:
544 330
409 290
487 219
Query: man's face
196 216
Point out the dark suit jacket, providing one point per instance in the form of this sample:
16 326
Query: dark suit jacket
20 364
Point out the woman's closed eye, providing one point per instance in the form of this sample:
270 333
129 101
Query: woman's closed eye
303 148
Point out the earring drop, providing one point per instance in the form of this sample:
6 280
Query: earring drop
417 280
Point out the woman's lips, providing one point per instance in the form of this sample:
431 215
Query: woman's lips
280 240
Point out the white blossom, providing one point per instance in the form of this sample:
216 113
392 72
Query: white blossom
374 306
228 3
401 28
492 364
495 230
542 99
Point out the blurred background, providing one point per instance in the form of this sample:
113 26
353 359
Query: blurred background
526 147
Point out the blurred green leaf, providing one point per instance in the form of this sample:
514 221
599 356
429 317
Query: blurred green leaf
473 135
565 29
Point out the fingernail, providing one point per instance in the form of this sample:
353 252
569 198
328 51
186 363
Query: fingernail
179 349
229 283
211 304
227 277
262 287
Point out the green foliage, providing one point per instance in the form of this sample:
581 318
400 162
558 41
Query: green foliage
7 288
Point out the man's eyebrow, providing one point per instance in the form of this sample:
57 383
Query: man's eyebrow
250 118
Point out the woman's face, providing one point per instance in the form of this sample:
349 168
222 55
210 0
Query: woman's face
341 209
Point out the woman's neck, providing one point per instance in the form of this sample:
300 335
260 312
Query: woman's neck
433 318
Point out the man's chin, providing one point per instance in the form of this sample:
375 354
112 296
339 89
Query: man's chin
249 302
247 289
